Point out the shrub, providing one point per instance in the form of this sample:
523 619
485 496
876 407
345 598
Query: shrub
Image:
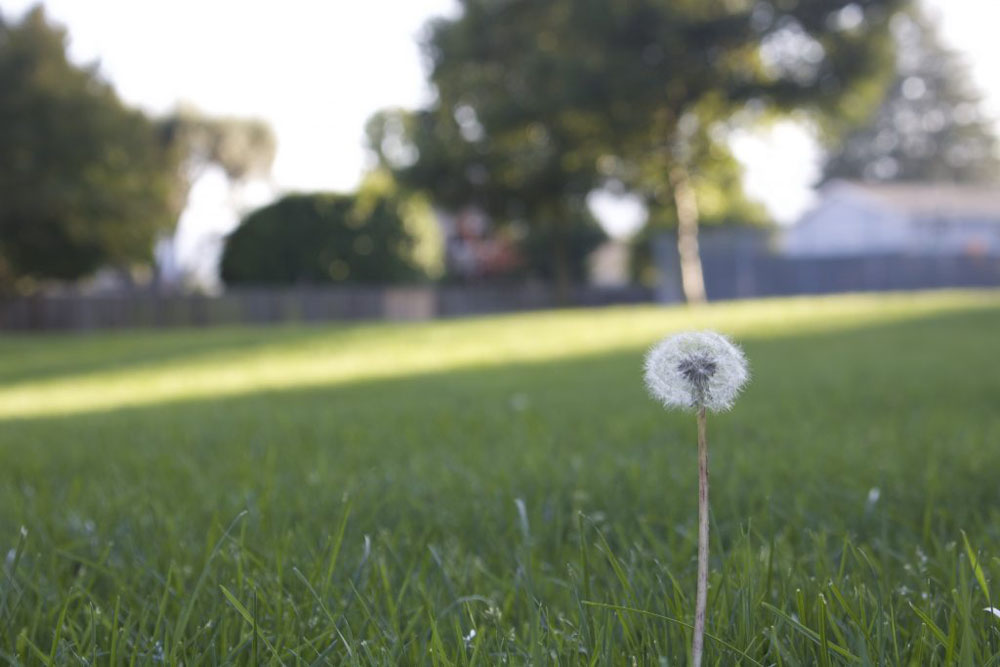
321 238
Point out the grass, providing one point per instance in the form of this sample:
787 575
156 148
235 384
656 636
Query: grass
501 490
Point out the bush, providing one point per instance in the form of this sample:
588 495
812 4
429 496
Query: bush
321 238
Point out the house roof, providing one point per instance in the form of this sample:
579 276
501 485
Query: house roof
932 200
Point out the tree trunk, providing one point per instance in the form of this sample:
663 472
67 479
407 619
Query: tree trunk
692 278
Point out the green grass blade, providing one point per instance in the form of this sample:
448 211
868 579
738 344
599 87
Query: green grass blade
721 642
811 634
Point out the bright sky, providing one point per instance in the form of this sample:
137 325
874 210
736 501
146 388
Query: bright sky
317 69
314 69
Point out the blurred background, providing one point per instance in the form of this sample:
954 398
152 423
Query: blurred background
190 163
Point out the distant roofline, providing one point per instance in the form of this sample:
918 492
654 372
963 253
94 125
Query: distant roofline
926 199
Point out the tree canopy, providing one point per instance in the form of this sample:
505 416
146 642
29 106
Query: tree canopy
84 181
539 103
929 127
243 147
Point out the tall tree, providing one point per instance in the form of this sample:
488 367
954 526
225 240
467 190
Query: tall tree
84 181
533 96
716 193
930 127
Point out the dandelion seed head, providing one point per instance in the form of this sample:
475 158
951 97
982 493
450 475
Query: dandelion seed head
696 369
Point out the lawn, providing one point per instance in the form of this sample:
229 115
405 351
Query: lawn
501 490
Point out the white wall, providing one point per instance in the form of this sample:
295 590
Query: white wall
844 224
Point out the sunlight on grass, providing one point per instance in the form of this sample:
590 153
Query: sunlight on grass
337 355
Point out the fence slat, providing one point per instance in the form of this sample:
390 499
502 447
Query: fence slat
83 312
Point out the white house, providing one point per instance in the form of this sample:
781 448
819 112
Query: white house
860 219
608 264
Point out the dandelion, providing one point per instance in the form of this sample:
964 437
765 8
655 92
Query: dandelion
697 371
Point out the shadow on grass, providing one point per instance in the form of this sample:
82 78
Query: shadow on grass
908 357
827 417
41 362
44 356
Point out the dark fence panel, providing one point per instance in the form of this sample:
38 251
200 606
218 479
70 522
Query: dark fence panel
740 263
768 275
82 312
736 266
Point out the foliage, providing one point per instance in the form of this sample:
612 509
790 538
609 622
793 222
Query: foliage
930 126
519 190
321 238
419 219
243 147
539 103
429 153
718 186
84 181
576 240
373 494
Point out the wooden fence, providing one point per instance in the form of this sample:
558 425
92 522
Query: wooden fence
733 270
83 312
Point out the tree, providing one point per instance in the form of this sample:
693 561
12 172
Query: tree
534 98
517 180
321 238
84 181
930 126
243 147
716 182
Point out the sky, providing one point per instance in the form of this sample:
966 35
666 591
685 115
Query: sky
317 69
314 69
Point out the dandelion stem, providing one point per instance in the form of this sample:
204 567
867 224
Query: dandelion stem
701 595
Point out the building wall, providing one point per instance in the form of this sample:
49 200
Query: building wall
848 223
842 226
956 236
